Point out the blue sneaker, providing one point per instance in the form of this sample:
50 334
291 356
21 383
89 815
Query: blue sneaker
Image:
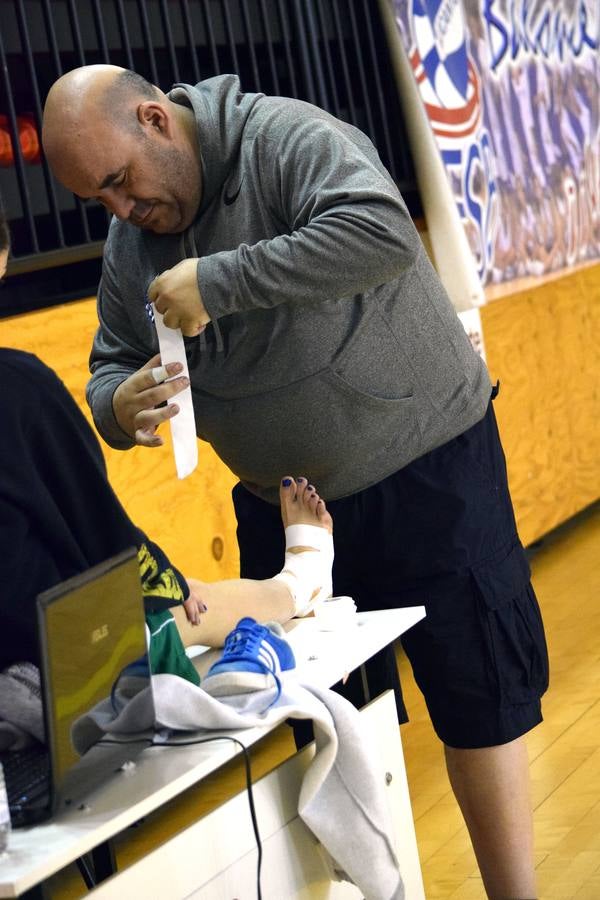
254 658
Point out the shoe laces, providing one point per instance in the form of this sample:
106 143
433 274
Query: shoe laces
245 643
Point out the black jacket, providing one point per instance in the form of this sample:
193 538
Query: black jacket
58 513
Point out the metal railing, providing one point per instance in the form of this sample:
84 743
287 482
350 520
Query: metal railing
330 52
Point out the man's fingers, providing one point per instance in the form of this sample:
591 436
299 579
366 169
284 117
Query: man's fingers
153 289
160 304
171 319
159 374
192 330
148 420
190 326
148 439
158 394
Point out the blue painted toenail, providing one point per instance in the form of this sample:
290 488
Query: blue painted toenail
286 482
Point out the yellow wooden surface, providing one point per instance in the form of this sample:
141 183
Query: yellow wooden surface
543 343
185 516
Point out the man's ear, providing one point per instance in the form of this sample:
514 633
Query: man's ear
151 114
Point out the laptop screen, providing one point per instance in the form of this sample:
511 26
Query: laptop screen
92 634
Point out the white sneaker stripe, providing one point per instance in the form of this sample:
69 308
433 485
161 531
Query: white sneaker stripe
269 657
265 656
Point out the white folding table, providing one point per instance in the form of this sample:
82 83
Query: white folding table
160 774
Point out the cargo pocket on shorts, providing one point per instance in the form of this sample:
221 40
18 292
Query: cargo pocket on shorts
512 622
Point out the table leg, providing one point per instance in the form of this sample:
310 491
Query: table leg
97 865
104 861
85 864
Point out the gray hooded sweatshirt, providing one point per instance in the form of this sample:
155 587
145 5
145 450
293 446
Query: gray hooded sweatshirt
333 350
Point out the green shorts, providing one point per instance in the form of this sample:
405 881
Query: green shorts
165 648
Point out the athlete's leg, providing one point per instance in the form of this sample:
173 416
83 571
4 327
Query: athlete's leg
274 599
308 545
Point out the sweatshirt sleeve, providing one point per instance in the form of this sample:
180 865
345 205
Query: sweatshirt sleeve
118 350
345 228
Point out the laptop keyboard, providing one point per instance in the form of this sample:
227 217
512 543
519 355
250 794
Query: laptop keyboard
27 777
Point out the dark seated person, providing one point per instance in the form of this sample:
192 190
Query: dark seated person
58 514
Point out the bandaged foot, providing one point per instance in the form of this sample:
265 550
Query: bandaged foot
308 545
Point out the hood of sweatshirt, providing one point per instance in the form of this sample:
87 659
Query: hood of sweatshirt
221 111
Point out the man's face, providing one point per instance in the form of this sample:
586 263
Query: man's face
141 177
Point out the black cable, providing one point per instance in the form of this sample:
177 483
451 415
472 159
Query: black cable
208 740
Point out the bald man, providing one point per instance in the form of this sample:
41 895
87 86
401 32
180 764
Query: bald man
319 339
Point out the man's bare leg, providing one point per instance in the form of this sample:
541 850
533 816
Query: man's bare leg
268 600
492 787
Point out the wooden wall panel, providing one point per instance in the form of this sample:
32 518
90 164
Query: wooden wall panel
543 344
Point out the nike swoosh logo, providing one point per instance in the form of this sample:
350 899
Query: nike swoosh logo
228 199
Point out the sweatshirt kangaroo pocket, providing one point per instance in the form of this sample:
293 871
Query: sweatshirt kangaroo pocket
320 426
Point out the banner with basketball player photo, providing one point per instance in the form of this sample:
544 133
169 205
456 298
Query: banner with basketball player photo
503 96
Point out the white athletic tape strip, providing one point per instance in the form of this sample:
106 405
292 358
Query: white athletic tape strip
183 425
307 574
309 536
159 373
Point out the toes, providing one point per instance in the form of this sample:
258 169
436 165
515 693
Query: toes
323 515
301 488
311 500
287 491
301 504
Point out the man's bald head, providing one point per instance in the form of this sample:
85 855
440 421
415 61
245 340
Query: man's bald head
111 134
97 91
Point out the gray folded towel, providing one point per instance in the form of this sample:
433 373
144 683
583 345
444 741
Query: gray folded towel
21 714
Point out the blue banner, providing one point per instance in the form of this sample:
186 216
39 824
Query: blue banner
511 91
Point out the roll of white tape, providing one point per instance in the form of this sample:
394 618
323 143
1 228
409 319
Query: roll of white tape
336 612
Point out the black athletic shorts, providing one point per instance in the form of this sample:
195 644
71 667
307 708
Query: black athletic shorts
439 533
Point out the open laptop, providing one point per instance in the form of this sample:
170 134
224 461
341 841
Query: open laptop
90 628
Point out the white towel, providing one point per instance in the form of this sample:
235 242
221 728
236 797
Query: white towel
342 800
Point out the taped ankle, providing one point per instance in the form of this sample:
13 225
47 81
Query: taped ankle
307 569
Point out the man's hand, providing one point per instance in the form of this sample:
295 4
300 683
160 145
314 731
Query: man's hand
175 294
135 400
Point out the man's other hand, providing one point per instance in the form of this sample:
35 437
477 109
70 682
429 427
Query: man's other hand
175 294
136 399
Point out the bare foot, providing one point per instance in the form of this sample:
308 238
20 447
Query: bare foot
301 505
308 544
